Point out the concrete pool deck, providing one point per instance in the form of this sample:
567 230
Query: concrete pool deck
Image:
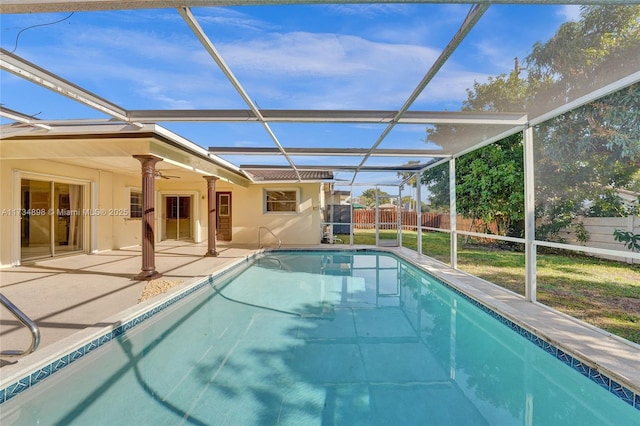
70 296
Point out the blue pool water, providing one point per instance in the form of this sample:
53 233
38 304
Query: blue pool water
320 338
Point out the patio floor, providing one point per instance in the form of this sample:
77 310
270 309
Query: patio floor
68 294
75 294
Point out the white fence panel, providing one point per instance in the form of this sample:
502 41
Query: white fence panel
601 230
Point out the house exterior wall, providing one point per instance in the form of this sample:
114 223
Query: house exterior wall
11 173
197 190
299 228
106 192
106 201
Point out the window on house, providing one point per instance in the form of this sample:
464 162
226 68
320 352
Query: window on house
135 204
277 201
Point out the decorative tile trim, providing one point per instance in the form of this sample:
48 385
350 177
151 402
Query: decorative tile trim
42 373
620 391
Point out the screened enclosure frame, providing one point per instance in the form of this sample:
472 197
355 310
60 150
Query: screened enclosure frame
508 123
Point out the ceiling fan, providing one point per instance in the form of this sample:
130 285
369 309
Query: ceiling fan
160 175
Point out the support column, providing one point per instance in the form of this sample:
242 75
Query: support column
148 271
377 219
419 212
399 217
211 216
453 213
352 224
530 248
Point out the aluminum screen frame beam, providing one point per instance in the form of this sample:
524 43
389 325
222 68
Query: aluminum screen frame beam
336 152
336 168
474 15
22 118
47 6
191 21
33 73
530 249
329 116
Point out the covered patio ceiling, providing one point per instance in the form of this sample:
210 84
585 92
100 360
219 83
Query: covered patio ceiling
371 140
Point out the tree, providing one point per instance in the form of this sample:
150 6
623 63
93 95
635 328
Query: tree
489 185
407 200
368 197
409 176
583 156
437 180
604 43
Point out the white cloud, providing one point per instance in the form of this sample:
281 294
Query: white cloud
569 12
497 55
148 67
325 54
329 70
231 19
371 10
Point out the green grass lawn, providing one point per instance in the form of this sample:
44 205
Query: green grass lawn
600 292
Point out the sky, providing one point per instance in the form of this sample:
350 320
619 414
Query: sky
295 57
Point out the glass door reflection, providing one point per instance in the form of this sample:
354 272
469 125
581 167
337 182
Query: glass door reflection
177 224
51 218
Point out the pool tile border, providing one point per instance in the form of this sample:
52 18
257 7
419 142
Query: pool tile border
79 352
624 393
596 376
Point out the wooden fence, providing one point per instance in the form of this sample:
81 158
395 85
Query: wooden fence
600 229
366 219
388 219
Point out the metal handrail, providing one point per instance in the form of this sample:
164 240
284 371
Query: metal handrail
27 322
275 259
271 232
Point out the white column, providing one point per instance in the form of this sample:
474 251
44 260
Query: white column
377 219
351 225
453 214
418 213
399 217
529 216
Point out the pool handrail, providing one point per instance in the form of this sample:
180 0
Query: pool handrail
27 322
271 232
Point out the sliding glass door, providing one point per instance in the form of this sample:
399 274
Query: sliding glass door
51 218
177 224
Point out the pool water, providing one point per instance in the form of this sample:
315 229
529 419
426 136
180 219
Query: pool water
321 338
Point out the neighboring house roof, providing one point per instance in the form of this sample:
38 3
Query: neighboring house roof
288 175
388 206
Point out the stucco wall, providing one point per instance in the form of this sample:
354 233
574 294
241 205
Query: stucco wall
11 173
107 191
194 188
300 228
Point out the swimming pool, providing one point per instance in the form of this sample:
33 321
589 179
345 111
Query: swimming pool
343 337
